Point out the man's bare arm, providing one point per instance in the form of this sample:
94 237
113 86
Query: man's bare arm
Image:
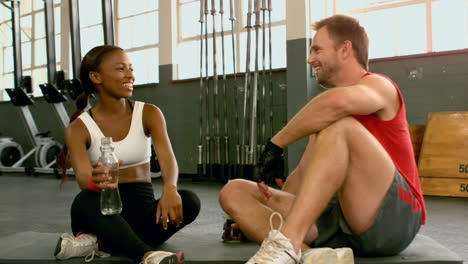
370 95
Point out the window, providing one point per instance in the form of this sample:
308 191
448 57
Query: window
91 31
137 32
6 55
449 34
411 27
145 65
33 44
188 55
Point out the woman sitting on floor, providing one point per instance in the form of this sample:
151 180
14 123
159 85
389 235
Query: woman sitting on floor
144 223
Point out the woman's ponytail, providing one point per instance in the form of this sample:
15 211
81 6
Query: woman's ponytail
62 158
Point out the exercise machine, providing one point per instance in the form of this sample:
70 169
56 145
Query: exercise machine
45 149
10 152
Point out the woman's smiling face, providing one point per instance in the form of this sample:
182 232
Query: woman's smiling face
115 75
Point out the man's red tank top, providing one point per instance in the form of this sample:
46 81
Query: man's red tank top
394 136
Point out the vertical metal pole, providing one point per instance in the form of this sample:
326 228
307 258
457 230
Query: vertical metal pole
50 40
225 164
264 105
25 113
236 106
208 144
215 95
108 22
270 86
200 139
51 58
75 36
253 120
16 33
245 122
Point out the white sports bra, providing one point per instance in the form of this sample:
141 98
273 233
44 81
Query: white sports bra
134 149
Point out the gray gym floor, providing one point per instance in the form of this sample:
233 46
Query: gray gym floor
40 204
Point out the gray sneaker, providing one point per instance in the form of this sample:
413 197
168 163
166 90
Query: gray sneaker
164 257
85 245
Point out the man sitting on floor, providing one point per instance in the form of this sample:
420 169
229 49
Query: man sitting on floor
357 183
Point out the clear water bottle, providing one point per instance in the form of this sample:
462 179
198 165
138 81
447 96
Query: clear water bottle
110 197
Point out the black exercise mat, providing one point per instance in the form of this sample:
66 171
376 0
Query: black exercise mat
31 223
34 247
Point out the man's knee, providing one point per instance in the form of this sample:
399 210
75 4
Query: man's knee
340 127
228 194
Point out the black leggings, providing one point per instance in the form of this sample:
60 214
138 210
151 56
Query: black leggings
134 232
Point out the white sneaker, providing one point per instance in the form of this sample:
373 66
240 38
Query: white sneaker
85 245
164 257
320 256
276 248
328 256
345 255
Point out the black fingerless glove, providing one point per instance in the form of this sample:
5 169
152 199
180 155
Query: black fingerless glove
270 167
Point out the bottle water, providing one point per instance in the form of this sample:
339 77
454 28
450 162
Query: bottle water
110 197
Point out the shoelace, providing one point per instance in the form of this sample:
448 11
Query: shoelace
269 252
96 253
269 249
88 240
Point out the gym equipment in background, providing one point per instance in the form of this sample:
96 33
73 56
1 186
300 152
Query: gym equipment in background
443 160
236 166
225 171
10 152
252 116
217 140
201 162
44 148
